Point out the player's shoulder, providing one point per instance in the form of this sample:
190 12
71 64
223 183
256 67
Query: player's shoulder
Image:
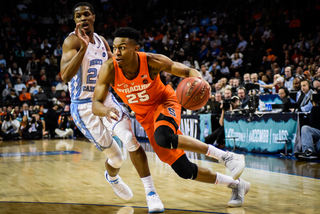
72 41
153 58
108 65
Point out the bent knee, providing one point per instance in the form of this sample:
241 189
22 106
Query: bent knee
184 168
166 138
116 161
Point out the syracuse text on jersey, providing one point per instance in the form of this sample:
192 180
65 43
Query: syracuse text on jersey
135 88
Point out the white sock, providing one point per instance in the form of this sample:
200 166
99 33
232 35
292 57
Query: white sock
215 152
148 184
225 180
111 178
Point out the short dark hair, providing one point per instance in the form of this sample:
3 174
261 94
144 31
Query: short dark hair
286 90
83 4
128 32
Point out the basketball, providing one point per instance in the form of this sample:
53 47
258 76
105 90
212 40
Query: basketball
193 93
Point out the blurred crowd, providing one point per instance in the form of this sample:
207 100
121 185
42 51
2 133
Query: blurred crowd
271 44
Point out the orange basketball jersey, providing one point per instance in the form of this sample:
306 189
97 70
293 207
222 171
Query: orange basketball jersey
136 92
148 98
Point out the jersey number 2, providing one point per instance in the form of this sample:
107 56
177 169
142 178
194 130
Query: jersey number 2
92 76
141 95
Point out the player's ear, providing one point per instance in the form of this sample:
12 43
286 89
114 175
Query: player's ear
94 17
137 47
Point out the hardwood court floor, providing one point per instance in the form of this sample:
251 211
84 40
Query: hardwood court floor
66 176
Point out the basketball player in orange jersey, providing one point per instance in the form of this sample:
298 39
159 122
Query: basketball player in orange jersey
135 78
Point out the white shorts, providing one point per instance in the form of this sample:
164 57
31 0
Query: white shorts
90 125
111 101
97 130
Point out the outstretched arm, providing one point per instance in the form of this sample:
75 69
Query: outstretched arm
106 77
73 51
158 62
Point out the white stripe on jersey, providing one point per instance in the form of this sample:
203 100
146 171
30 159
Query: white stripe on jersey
82 84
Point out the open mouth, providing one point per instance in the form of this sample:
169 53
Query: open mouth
118 60
85 26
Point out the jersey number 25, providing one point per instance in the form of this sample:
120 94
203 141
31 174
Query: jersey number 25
142 97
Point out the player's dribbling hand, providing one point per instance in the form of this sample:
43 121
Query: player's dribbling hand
82 36
112 113
208 85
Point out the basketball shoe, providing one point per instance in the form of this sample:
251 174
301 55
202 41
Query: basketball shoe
154 202
234 162
238 193
120 188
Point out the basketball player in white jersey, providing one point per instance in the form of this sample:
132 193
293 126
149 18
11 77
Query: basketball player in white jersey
83 53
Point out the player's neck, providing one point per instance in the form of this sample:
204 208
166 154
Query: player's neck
131 71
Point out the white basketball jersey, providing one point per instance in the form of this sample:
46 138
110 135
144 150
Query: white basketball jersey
82 84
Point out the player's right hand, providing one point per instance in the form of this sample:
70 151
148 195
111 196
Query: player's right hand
112 113
82 36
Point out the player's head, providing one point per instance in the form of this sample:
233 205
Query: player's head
125 44
83 12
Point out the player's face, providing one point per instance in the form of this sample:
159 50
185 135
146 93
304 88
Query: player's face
124 51
83 15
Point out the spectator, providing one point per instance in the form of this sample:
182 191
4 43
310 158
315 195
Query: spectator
40 95
227 93
32 66
304 97
224 69
19 86
289 78
3 61
242 44
15 72
254 79
7 90
30 81
62 86
38 118
310 135
25 96
12 98
51 120
64 98
316 84
236 65
205 74
56 81
296 84
284 94
34 88
25 111
65 124
241 92
33 129
10 128
217 138
44 82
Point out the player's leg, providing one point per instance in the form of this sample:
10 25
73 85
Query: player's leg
188 170
138 157
123 130
168 117
93 129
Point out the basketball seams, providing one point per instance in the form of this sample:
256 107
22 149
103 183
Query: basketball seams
185 96
195 93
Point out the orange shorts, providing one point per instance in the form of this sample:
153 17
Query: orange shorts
170 108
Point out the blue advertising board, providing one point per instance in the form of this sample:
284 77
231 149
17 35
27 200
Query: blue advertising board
265 133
